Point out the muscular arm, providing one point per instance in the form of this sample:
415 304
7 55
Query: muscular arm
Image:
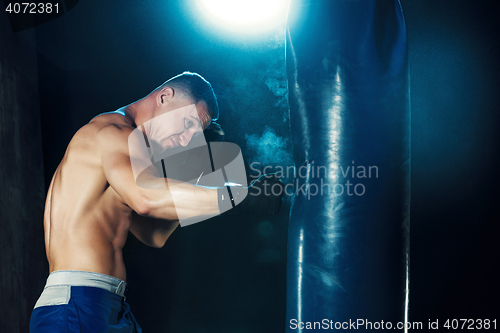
155 201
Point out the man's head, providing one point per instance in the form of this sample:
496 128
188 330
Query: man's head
177 94
194 88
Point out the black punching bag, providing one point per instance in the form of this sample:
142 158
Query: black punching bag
348 245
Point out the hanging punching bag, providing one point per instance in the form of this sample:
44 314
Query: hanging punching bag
348 82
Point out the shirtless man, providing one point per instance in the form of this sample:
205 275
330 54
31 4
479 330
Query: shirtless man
93 201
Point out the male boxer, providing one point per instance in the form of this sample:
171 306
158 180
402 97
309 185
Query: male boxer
94 200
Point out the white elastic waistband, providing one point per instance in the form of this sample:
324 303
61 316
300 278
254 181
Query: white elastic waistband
87 279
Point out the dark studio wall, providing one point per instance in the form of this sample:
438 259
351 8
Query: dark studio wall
23 265
228 274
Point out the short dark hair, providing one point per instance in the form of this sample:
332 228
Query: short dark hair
196 88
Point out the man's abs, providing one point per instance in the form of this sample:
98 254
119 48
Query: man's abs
86 222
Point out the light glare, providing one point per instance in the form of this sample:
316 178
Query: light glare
246 12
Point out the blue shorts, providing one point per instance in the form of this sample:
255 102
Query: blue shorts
75 301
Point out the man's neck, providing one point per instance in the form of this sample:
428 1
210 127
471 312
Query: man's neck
139 112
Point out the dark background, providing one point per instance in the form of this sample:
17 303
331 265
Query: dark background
228 274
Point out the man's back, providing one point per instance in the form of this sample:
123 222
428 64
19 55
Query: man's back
86 221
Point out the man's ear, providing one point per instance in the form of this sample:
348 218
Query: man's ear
164 95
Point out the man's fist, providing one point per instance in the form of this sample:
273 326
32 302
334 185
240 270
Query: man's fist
263 196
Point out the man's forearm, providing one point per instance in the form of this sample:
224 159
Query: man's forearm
172 199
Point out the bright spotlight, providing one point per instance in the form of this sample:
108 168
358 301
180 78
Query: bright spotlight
247 14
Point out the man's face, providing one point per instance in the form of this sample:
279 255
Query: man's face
184 126
175 127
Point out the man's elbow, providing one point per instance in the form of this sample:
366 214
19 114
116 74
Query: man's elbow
163 232
159 240
159 245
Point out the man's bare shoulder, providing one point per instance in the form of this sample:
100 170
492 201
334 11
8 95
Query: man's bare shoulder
115 119
111 128
105 133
